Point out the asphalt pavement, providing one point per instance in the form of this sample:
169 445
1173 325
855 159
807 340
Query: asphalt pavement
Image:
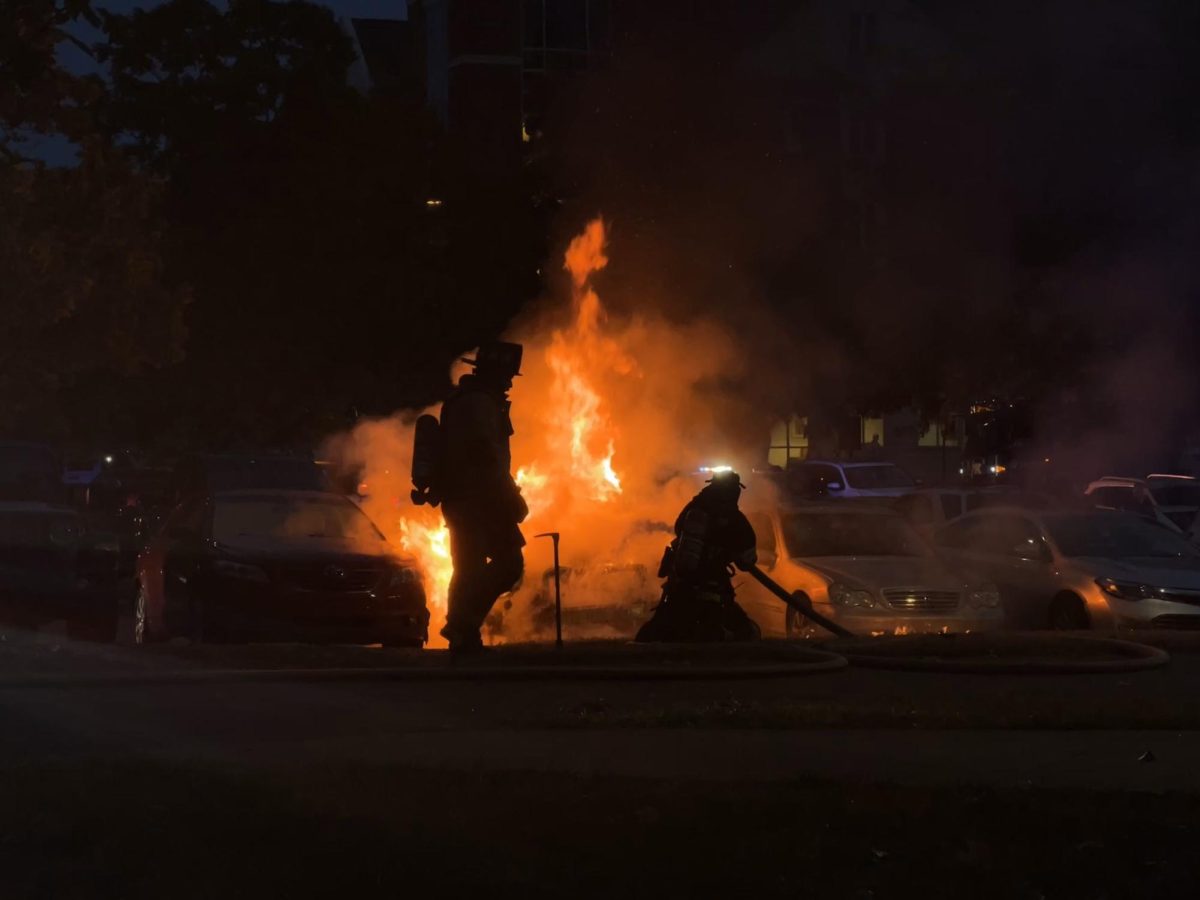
760 729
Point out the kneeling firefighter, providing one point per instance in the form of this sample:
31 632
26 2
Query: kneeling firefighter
464 463
711 537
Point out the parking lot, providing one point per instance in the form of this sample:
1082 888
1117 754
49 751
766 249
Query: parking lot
251 751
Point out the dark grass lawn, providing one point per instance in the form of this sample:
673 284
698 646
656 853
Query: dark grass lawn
132 831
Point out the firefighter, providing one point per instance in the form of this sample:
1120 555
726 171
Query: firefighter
481 503
711 537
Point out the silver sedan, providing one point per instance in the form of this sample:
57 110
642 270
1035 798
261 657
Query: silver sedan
1078 570
864 568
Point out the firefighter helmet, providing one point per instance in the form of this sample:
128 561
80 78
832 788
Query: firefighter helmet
498 357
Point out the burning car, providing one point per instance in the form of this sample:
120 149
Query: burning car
1076 570
604 601
277 564
866 569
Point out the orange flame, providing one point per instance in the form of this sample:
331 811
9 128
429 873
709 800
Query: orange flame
431 546
577 416
534 487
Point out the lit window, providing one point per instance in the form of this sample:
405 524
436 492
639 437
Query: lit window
788 441
872 429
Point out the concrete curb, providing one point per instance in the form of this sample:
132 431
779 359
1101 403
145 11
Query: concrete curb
1130 657
816 662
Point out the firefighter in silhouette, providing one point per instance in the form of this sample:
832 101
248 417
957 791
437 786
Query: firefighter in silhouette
481 503
711 537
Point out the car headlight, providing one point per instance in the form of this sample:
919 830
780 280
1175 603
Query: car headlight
986 596
402 578
851 598
1127 590
241 571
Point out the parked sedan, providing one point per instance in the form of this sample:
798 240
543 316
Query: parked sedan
866 569
929 509
1072 570
276 564
53 567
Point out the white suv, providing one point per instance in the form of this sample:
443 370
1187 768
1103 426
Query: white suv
814 478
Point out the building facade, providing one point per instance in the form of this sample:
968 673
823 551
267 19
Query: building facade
490 68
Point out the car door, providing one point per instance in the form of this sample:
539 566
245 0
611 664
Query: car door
811 480
183 542
830 481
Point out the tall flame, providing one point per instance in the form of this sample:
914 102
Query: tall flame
576 417
582 404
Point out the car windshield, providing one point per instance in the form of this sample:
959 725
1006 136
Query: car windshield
1176 493
848 534
1115 537
291 517
883 476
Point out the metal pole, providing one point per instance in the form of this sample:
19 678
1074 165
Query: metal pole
554 536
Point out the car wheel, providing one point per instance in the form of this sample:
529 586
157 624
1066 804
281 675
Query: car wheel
142 633
1068 613
796 626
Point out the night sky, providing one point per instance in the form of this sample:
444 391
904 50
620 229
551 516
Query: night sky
58 152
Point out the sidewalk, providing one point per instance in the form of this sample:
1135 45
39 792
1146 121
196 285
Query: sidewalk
1091 760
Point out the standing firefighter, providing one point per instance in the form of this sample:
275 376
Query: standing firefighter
711 537
481 503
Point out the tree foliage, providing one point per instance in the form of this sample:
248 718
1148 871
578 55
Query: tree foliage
325 286
186 72
36 93
83 291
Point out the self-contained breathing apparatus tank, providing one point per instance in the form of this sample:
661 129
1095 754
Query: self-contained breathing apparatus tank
426 461
692 545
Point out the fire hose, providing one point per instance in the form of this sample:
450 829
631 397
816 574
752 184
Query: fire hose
874 653
800 606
